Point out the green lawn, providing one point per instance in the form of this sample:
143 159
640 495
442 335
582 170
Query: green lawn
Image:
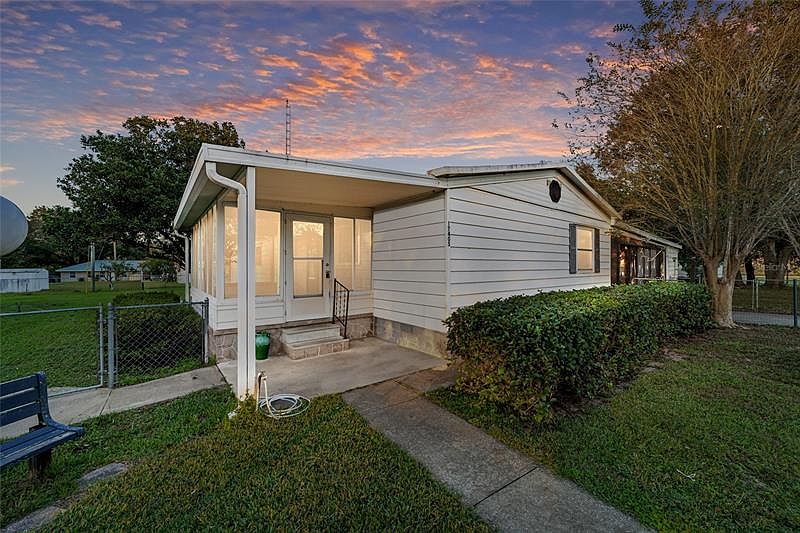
323 470
75 294
708 442
66 344
770 299
128 437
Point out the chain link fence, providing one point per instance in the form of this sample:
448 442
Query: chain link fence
775 303
67 344
147 342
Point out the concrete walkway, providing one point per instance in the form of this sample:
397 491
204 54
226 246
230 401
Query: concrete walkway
78 406
506 488
370 360
762 319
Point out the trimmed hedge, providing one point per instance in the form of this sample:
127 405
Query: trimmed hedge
146 298
156 341
527 352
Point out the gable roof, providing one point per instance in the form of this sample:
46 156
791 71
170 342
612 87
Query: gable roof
100 265
452 174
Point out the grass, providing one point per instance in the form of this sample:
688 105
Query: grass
770 299
708 442
129 437
323 470
75 294
65 344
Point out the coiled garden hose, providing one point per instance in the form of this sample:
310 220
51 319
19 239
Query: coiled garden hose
278 405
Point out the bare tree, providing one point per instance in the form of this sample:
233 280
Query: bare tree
696 117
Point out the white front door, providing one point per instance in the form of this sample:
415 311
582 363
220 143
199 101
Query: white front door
308 267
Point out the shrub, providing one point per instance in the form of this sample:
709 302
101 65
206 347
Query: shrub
527 352
151 339
146 298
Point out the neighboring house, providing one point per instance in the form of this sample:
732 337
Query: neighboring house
410 247
83 271
23 280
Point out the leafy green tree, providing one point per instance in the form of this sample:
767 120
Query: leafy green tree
695 117
57 236
128 186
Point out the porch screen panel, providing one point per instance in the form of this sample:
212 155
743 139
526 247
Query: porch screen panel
231 259
363 255
343 251
268 252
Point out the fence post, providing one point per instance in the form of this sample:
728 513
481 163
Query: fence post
205 331
100 334
794 301
111 346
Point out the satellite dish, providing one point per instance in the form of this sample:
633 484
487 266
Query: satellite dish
13 226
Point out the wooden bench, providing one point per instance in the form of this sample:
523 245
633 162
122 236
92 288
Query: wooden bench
23 398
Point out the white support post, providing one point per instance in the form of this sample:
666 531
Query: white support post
250 184
245 293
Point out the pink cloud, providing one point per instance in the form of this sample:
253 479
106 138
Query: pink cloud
101 20
174 71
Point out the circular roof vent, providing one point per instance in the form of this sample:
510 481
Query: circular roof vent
555 191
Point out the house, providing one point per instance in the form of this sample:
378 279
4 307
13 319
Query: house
23 280
283 244
83 271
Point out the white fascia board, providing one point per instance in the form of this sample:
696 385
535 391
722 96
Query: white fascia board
191 190
640 233
240 156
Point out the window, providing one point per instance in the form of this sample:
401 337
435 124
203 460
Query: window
585 248
72 275
267 252
352 253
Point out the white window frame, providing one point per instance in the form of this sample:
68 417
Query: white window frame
578 249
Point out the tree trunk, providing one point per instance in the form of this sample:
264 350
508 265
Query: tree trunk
749 268
777 253
721 290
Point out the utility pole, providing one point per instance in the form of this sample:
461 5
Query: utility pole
115 249
91 263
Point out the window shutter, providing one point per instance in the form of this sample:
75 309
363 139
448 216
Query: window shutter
573 266
596 250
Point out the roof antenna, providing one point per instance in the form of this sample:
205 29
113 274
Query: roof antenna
288 150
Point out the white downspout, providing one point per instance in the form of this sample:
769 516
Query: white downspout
245 350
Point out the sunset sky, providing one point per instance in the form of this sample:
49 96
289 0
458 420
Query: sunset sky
408 85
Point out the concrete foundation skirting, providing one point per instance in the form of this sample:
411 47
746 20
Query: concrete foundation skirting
222 344
413 337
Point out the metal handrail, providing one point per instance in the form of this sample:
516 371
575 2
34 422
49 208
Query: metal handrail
341 299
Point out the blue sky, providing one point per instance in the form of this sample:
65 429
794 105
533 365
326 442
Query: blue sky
405 84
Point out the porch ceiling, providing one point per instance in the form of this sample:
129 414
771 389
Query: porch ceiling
322 189
300 181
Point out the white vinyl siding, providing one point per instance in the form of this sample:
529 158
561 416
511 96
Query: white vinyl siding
409 279
510 238
671 266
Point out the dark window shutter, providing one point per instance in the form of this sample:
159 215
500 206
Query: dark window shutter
596 250
573 263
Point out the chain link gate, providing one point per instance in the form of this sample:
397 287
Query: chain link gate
67 344
147 342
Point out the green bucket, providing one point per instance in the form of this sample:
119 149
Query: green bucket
262 346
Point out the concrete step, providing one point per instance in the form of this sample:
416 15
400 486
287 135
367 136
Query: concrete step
313 348
315 332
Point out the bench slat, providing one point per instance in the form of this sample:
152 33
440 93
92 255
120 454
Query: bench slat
23 440
11 387
7 403
49 443
20 413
